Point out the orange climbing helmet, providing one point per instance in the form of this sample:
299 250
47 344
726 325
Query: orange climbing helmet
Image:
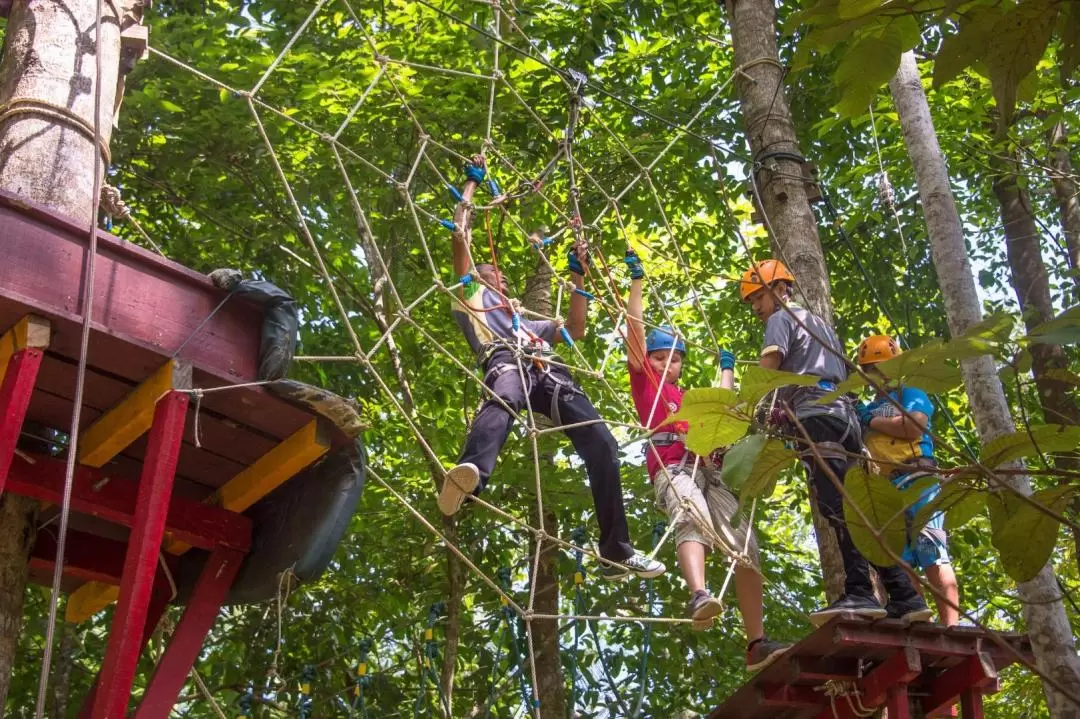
877 349
762 274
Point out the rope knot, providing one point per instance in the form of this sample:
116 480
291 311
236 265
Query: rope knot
113 204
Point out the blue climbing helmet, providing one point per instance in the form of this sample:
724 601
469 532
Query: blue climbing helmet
663 338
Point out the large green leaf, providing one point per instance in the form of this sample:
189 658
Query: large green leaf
964 48
1062 330
871 60
1069 31
1023 534
739 460
881 504
1018 42
1045 438
714 417
773 459
757 381
958 500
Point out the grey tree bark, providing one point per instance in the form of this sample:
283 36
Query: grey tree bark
782 192
551 688
47 83
1051 635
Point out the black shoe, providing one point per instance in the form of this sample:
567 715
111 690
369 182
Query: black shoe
763 652
866 607
909 610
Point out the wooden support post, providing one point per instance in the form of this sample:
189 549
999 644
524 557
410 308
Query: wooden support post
976 672
897 702
172 671
971 704
159 600
21 351
144 545
129 420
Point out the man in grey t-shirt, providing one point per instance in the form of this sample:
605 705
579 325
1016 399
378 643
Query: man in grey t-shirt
799 341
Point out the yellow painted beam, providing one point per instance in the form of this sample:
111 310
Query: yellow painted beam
127 421
30 331
269 472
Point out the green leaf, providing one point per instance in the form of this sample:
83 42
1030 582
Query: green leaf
1062 330
739 460
774 458
995 328
713 417
960 502
965 47
869 63
1063 375
1025 535
927 367
756 382
171 106
882 504
1019 41
1044 438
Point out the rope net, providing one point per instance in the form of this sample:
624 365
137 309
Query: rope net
577 180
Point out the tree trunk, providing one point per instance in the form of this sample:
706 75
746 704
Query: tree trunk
1066 191
49 57
551 687
61 679
1051 635
782 198
1032 286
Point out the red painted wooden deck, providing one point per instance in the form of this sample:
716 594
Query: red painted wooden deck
935 666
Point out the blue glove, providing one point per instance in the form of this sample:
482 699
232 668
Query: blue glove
474 172
727 360
865 415
573 262
633 262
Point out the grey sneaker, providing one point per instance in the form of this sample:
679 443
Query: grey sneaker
865 607
637 564
911 610
763 652
460 482
702 607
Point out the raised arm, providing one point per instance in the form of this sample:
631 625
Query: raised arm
579 304
475 171
635 327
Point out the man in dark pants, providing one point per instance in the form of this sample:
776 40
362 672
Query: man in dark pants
792 344
515 354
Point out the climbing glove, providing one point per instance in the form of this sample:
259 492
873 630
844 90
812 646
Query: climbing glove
475 172
633 263
573 262
727 360
865 415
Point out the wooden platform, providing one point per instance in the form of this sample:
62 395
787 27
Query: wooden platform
144 490
935 666
145 308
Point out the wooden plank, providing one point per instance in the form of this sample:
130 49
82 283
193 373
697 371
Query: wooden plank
790 697
140 564
279 464
31 331
139 298
248 487
975 672
267 474
899 669
86 557
113 497
132 418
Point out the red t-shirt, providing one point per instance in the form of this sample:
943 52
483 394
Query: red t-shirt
643 387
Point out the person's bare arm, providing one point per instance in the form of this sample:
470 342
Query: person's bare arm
909 427
771 360
462 236
579 306
635 327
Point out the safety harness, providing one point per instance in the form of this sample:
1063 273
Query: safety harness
539 368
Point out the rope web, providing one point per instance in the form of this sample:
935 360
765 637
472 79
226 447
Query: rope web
554 185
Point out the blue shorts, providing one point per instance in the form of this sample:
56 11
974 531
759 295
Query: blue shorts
930 548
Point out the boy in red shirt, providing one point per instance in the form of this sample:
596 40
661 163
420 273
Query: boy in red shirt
689 493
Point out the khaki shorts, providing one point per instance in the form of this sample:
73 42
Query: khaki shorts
713 504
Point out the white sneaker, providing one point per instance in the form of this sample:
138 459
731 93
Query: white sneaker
638 564
459 484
